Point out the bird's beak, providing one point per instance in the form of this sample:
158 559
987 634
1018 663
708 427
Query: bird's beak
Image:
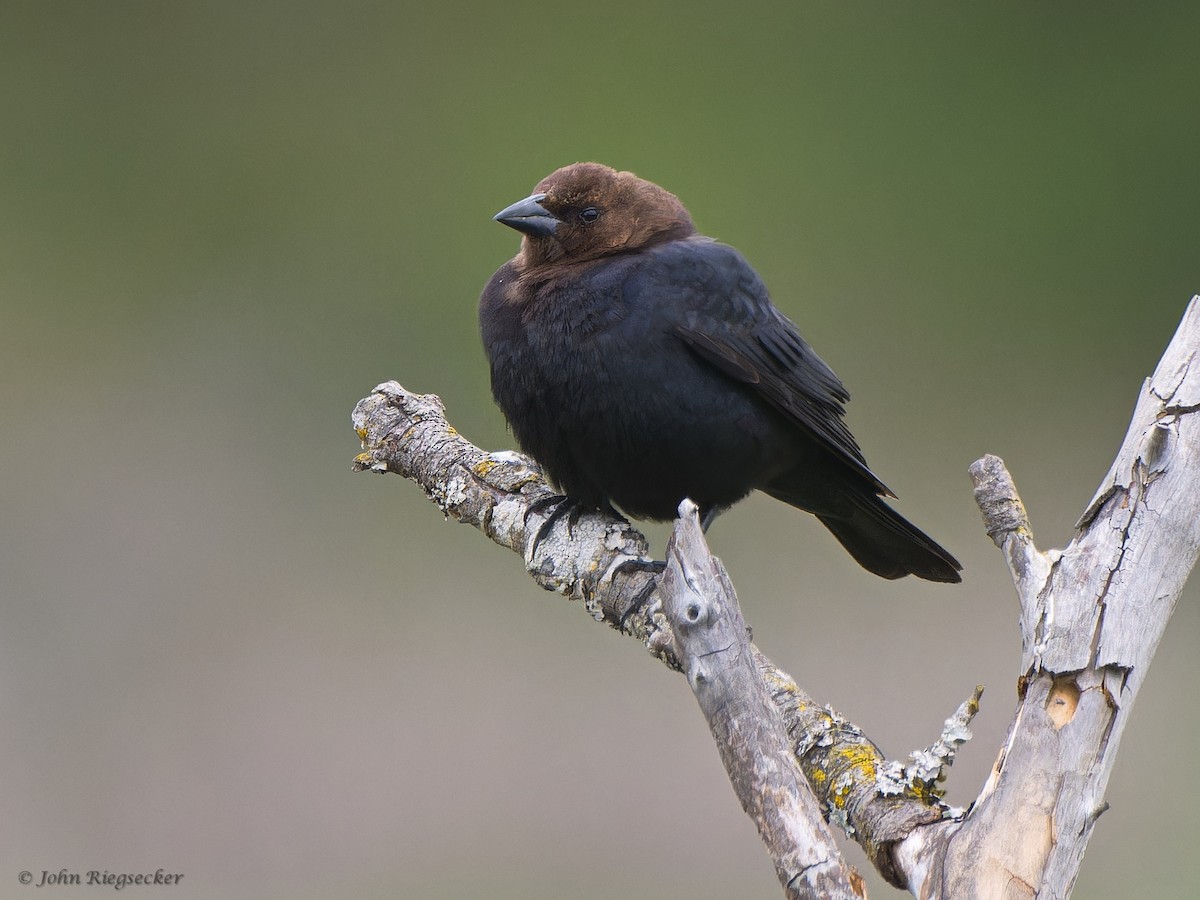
529 217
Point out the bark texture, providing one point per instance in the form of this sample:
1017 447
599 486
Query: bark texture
1091 619
715 652
602 561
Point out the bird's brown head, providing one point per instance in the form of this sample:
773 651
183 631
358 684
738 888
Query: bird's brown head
588 211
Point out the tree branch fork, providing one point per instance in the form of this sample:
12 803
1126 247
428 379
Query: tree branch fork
1091 617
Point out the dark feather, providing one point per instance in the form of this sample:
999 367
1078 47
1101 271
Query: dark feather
641 363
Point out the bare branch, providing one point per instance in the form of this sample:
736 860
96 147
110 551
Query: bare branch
1007 525
599 559
717 658
602 560
1092 617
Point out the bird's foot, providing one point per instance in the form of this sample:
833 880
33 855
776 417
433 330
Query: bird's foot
559 505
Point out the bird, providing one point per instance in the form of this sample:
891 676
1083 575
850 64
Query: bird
640 362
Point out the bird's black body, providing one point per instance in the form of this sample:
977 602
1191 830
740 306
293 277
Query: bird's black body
604 388
639 372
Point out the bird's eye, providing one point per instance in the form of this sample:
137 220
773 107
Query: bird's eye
589 215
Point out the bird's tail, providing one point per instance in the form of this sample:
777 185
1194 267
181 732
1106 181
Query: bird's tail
882 540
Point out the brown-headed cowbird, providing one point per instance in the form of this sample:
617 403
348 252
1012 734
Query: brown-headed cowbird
640 363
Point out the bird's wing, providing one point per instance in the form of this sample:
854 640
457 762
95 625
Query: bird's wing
719 307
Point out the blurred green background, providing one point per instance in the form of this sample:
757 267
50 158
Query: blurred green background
222 223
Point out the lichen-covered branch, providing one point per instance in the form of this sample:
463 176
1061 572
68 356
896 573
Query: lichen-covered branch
599 559
602 560
1091 618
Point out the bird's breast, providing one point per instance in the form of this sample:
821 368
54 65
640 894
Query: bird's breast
603 392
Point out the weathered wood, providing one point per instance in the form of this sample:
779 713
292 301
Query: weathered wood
719 662
601 560
598 559
1091 619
